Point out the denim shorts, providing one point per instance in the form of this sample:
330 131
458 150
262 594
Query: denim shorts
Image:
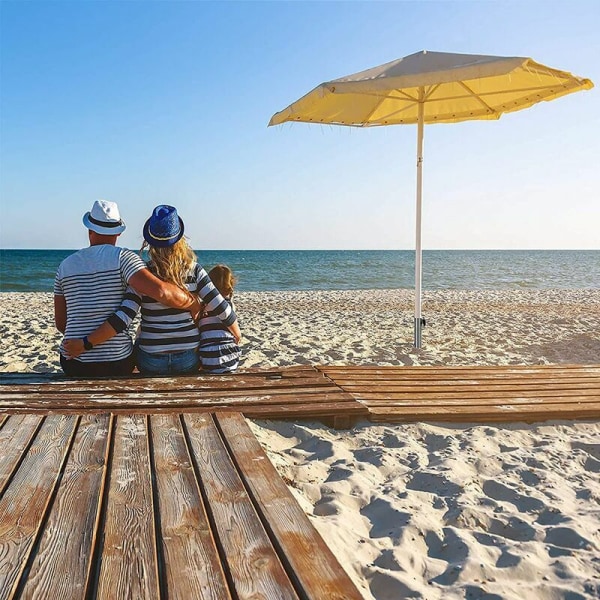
167 363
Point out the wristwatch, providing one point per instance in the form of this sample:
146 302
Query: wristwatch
87 344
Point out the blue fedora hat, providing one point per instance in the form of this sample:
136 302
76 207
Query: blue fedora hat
164 227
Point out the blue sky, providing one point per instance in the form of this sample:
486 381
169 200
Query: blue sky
168 102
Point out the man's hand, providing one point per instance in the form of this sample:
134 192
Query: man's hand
196 308
73 348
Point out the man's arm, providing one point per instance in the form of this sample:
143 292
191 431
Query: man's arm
60 313
168 294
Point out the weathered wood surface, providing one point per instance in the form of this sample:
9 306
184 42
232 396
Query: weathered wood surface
464 394
294 392
311 562
150 507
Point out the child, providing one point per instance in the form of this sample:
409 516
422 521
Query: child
219 351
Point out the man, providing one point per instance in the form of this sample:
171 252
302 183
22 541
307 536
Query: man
88 289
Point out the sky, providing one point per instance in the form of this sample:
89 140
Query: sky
167 102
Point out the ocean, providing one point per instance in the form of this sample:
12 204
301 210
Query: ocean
275 270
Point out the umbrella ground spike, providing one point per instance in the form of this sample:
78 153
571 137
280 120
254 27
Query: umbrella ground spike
419 324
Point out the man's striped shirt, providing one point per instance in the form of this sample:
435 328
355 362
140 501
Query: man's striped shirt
93 282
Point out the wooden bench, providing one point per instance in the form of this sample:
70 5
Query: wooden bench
152 506
473 394
292 392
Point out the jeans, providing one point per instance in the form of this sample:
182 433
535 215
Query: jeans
167 363
78 368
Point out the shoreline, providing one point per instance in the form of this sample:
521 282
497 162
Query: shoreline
425 510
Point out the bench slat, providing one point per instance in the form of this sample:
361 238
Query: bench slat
481 394
141 397
63 561
310 561
451 371
462 384
187 542
217 383
129 566
15 436
25 501
500 413
253 564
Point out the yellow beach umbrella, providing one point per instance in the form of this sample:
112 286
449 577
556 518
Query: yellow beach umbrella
431 87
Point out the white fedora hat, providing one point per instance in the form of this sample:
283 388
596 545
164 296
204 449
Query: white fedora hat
104 218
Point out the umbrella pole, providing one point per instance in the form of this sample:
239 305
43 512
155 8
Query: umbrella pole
419 321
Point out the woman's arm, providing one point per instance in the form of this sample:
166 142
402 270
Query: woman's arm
117 322
74 348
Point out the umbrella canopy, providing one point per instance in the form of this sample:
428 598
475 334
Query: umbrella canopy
431 87
452 87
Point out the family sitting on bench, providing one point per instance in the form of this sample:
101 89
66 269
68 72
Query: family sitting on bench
188 321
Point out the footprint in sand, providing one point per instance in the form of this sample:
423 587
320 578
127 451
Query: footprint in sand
500 492
386 521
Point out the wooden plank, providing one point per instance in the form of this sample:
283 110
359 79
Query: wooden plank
2 421
449 370
129 563
416 384
63 561
186 539
283 411
15 436
474 400
303 411
481 394
465 375
183 398
175 386
26 499
500 413
260 379
310 563
253 564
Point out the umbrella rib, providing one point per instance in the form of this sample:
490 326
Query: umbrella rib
385 97
431 91
477 97
393 113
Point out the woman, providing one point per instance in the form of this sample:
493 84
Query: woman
168 338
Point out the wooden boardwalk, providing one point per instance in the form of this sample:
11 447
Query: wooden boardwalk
289 393
154 488
473 394
147 507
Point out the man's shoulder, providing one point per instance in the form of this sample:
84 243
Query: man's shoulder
92 259
130 263
129 255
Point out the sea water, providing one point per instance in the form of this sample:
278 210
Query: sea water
276 270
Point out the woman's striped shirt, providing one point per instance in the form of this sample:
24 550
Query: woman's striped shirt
165 329
93 282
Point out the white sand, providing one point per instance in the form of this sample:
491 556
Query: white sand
422 510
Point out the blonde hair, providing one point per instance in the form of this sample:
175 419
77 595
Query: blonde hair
222 277
171 264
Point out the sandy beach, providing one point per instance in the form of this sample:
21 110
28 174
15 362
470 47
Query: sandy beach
424 510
